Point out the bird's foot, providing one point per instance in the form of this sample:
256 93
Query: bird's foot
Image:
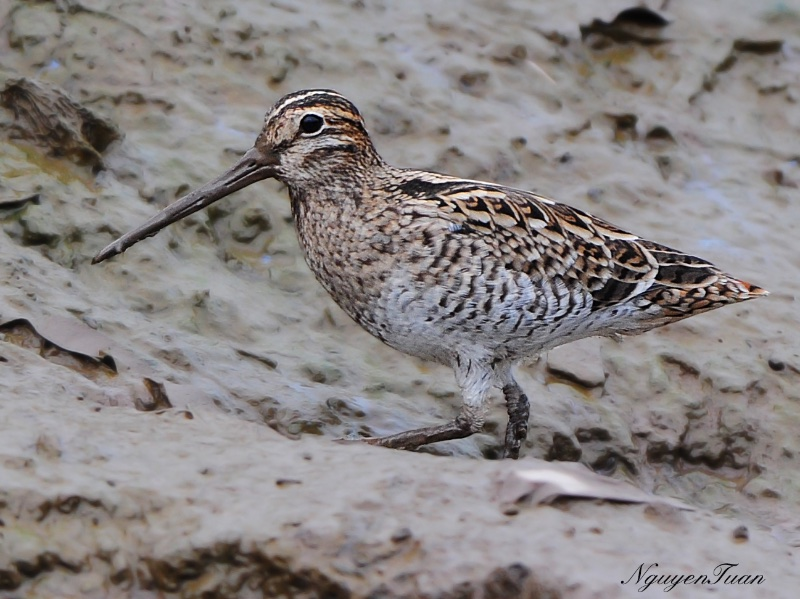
350 439
518 413
457 429
515 437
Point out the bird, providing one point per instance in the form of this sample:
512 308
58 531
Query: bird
470 274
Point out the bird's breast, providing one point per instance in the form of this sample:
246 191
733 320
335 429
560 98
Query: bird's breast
351 256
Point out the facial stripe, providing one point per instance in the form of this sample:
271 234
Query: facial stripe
335 139
302 95
321 98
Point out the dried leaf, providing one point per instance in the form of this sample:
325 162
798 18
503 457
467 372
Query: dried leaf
542 482
73 335
64 341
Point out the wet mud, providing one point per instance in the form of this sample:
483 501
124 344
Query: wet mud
170 416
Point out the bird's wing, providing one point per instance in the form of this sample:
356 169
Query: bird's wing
532 234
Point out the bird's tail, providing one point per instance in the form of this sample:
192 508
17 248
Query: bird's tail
741 291
678 302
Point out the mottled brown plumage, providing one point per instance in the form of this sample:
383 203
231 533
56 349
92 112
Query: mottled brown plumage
470 274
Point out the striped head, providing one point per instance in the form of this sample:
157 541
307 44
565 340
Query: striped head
311 139
313 135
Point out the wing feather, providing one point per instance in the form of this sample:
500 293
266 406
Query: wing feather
547 240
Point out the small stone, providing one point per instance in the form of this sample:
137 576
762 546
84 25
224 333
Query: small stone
510 510
564 449
741 534
401 534
324 374
776 364
595 193
48 446
578 362
285 482
39 226
32 26
474 82
249 222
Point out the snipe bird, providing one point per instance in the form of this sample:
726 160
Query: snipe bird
474 275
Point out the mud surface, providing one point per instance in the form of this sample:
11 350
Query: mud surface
159 410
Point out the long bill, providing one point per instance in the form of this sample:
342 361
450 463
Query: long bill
255 165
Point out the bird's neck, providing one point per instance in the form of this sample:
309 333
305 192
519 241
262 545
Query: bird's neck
338 188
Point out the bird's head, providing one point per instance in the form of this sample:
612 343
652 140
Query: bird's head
311 135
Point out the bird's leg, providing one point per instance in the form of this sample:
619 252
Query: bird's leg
475 381
518 413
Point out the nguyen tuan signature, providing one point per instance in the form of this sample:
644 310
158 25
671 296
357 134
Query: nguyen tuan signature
646 575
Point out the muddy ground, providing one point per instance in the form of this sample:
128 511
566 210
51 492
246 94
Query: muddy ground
167 419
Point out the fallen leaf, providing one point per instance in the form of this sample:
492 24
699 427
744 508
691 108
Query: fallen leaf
542 482
64 341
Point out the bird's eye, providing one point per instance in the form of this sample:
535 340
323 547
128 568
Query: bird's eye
311 123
